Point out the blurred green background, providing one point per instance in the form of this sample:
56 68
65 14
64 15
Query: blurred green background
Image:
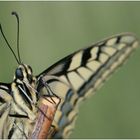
51 30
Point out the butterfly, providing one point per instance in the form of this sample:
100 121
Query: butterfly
72 80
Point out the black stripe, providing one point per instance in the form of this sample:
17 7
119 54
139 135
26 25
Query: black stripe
99 51
11 132
118 39
86 55
29 77
2 100
18 116
65 67
81 76
62 68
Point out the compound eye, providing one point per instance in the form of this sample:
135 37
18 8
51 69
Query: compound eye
19 73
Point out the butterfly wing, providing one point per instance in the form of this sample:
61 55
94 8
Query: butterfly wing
82 73
5 100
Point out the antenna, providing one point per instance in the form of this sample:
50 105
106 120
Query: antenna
8 44
17 17
18 59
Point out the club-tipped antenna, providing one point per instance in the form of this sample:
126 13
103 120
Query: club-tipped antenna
17 17
8 44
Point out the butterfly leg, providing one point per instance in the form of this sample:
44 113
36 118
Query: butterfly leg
49 90
22 132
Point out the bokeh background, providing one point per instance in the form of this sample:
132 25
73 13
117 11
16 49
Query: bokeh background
51 30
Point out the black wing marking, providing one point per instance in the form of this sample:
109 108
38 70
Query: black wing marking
76 76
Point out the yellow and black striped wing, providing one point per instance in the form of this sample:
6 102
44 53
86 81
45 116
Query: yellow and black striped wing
82 73
5 103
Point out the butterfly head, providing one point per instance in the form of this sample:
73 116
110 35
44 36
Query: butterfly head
24 74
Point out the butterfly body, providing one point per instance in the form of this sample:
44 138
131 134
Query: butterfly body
19 104
71 79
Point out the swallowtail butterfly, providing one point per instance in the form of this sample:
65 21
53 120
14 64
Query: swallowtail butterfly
72 79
